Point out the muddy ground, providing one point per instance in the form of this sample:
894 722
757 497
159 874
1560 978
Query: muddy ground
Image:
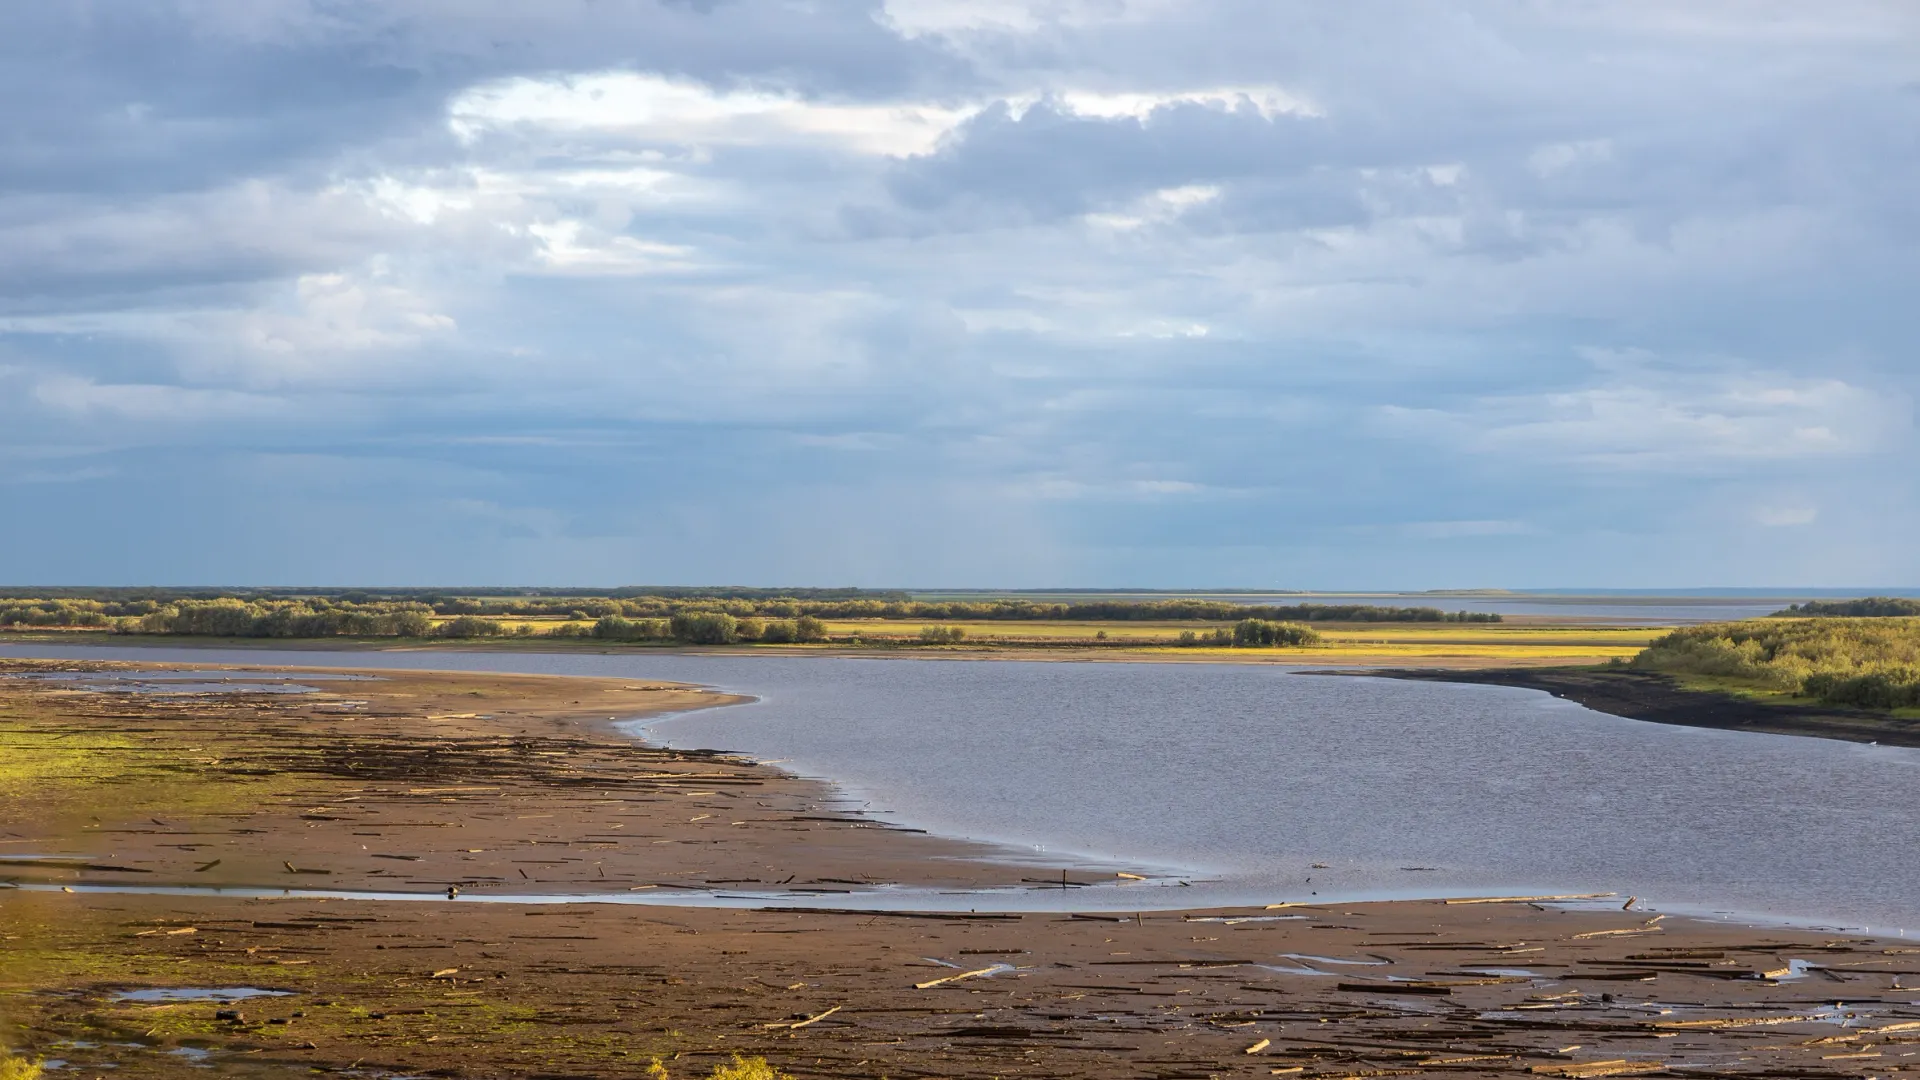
1656 698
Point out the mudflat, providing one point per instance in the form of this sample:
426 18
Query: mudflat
416 782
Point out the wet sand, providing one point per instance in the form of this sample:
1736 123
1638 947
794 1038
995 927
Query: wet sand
416 781
515 784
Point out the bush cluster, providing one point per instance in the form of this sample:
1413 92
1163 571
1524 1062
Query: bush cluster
1254 634
1864 662
1871 607
1894 689
291 619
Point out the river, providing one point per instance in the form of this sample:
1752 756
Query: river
1258 784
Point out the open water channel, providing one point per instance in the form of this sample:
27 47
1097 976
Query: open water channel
1259 785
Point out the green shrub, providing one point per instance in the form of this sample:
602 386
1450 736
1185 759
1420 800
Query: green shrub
621 628
1259 633
1871 607
704 628
808 628
468 626
1877 690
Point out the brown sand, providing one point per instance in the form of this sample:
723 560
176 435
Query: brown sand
465 988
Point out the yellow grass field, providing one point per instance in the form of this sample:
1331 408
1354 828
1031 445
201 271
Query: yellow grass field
1381 644
1354 643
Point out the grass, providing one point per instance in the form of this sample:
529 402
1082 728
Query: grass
1384 643
88 952
740 1068
50 771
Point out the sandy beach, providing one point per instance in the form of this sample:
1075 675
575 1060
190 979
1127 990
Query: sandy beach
418 782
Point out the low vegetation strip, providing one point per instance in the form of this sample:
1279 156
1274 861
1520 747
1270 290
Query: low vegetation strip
649 617
1871 607
1871 663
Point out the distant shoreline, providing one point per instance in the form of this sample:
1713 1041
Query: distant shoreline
1657 699
1335 655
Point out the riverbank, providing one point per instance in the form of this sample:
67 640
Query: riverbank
415 780
492 784
1661 700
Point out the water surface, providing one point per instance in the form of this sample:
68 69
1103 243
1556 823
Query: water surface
1261 785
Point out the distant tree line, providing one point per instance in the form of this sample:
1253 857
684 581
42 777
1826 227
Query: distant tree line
1871 607
113 594
1869 662
361 613
708 628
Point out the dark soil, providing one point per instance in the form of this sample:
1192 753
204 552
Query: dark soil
1656 698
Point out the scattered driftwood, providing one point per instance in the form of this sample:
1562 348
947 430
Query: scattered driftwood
1396 988
1616 1067
931 983
1527 899
1721 1023
797 1024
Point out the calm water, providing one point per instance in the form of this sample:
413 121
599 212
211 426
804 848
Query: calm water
1241 778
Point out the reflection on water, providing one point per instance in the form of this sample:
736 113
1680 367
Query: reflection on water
1268 786
199 993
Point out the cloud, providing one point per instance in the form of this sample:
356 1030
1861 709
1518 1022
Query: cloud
1101 288
651 109
1453 530
1785 515
962 18
146 402
1677 423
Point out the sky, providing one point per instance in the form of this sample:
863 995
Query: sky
1011 293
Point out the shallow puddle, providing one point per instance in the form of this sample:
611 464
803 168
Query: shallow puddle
199 993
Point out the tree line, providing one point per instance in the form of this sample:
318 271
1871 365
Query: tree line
1869 607
320 618
82 611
